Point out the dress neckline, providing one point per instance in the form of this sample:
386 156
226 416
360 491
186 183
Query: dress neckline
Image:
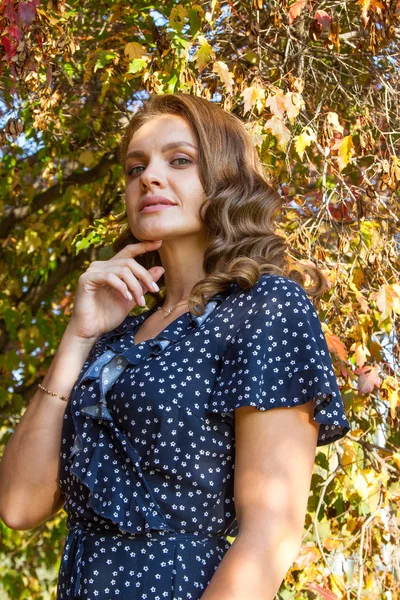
146 315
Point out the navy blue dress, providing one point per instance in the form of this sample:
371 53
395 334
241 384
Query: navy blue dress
147 455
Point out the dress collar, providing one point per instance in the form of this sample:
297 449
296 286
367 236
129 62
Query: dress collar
121 339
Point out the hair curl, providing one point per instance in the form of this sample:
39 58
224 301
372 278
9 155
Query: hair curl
240 208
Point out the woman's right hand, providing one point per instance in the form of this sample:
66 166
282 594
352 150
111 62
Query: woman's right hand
101 301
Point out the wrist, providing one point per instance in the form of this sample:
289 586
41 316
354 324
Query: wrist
72 336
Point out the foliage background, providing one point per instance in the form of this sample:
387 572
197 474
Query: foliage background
316 83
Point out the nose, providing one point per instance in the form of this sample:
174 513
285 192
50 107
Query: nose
152 176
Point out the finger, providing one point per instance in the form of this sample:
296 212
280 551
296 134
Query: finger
134 286
157 272
143 275
115 282
132 250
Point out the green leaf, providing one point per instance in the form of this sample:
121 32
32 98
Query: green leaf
204 53
196 14
136 65
104 58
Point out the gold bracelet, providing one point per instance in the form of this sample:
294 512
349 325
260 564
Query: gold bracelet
52 393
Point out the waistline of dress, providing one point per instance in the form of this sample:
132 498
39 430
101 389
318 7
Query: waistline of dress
76 539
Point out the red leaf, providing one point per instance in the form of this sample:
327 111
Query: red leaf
6 43
340 213
369 378
14 32
10 47
10 11
27 12
323 19
295 10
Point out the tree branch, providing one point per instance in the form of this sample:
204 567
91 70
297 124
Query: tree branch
36 294
39 201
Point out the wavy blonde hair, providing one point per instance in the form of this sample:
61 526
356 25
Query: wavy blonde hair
240 208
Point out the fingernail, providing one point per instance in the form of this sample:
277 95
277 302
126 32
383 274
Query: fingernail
155 287
129 296
142 301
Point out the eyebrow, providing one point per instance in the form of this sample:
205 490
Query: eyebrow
165 148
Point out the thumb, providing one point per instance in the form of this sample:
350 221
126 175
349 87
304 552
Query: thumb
157 272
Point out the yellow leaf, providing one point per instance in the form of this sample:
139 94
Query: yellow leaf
396 458
366 482
337 585
256 132
204 53
253 96
306 137
224 74
279 130
361 354
387 299
349 456
390 392
293 102
87 158
360 298
345 151
177 17
134 50
350 526
333 120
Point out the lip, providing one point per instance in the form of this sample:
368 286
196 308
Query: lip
155 208
154 202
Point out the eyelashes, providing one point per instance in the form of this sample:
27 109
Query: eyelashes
132 173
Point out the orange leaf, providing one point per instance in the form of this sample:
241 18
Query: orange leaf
276 104
295 10
324 592
331 544
306 557
335 345
366 5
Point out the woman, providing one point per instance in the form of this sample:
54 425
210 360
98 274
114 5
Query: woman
174 435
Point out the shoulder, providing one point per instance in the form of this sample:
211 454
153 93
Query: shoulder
277 296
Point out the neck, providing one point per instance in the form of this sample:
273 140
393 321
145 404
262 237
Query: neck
183 264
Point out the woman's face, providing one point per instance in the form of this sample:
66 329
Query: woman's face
162 165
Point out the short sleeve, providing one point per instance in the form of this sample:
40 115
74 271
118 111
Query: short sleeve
279 358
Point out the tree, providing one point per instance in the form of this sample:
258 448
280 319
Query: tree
316 83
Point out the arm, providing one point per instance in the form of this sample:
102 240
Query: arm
29 468
275 453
